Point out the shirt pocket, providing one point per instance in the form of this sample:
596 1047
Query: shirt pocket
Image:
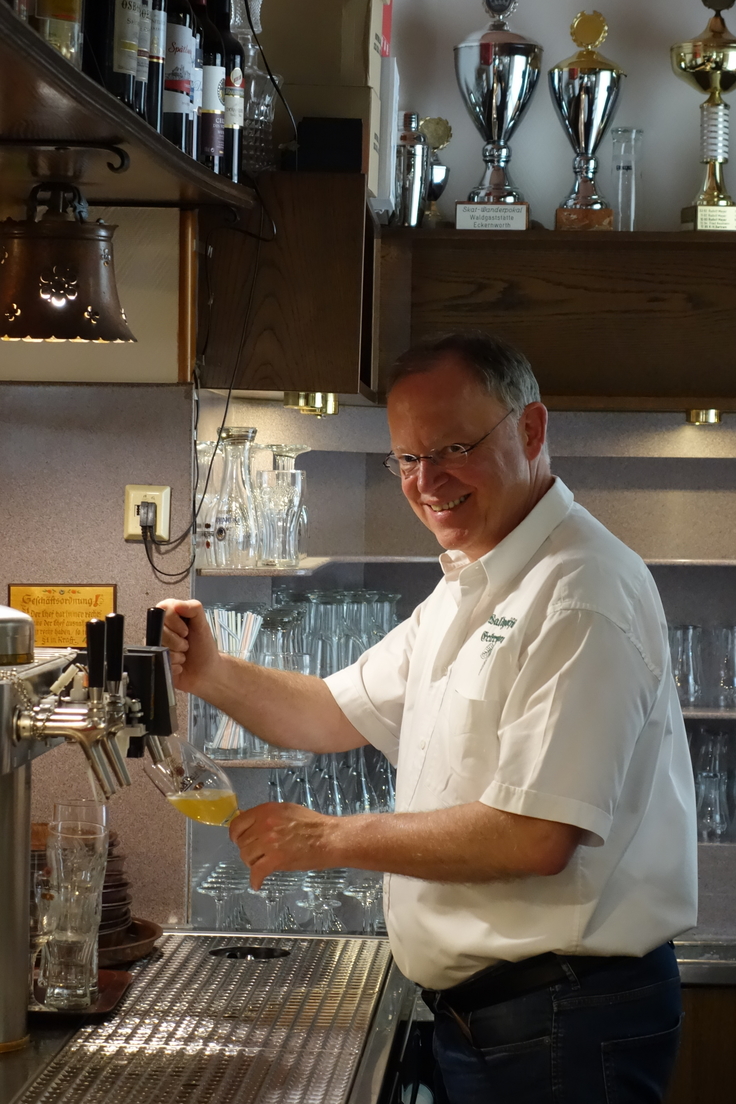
472 741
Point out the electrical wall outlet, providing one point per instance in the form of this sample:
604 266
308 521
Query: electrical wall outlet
135 493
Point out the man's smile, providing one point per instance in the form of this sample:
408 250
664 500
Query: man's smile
447 505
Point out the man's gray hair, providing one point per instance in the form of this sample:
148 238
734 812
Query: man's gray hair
502 370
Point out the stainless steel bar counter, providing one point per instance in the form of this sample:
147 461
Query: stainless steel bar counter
318 1023
265 1019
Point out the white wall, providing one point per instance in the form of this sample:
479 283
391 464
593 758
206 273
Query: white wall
641 33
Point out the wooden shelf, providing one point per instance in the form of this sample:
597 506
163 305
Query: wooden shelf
609 321
45 98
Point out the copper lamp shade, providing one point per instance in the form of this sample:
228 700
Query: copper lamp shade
57 281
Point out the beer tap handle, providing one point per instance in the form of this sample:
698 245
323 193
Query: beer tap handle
115 623
154 626
96 654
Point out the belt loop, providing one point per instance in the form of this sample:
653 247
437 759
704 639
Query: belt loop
569 971
459 1021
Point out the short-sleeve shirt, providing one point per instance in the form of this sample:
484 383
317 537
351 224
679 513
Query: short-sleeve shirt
537 680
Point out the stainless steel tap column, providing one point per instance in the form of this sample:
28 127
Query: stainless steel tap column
15 819
16 648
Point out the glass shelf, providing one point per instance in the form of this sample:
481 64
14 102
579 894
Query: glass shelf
309 565
713 714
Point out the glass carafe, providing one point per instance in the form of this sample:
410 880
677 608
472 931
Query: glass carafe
236 523
258 147
209 478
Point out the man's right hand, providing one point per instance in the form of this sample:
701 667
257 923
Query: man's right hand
187 635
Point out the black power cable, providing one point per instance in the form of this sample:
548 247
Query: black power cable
151 545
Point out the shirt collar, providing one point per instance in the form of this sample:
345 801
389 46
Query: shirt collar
515 551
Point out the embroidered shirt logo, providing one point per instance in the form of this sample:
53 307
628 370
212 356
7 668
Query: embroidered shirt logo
491 640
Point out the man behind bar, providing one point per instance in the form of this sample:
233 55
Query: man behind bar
543 852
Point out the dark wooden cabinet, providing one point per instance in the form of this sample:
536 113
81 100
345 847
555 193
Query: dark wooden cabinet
643 321
706 1066
609 321
293 311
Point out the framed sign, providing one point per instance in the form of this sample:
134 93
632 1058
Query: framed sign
60 613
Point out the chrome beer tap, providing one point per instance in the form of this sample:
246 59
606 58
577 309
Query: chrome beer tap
81 722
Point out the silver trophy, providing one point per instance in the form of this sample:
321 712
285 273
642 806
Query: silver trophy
497 72
585 90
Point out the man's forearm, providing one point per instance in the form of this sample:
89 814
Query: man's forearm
284 708
467 843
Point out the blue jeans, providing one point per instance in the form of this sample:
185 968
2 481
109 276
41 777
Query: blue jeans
610 1037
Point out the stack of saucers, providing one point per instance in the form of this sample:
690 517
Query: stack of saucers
115 898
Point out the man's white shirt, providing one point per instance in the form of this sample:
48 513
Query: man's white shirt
537 681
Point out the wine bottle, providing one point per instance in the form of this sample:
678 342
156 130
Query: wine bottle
111 30
178 74
212 118
140 94
156 59
196 97
221 14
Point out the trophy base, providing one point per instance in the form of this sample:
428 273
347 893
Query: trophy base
708 218
584 218
491 216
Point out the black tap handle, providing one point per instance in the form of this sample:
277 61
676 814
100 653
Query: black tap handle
96 653
154 626
114 647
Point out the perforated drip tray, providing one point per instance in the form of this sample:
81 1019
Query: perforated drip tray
267 1021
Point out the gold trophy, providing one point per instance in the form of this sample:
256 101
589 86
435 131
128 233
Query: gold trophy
585 90
708 63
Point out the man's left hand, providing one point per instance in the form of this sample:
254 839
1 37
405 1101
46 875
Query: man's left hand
281 836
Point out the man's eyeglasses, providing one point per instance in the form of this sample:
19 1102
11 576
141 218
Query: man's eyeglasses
449 458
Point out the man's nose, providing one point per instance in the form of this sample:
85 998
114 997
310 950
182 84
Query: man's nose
429 476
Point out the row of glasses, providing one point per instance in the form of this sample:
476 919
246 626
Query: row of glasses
704 665
714 767
76 853
249 515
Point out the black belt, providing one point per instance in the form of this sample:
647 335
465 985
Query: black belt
507 980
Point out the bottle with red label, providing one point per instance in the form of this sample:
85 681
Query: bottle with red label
179 74
212 112
220 13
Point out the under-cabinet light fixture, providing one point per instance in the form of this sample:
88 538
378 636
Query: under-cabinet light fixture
312 402
704 417
57 281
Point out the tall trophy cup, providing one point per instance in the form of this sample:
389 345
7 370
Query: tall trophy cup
497 72
709 65
585 90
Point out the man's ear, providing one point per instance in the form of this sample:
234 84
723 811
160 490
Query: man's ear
533 428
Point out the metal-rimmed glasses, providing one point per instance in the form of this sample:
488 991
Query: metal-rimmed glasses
448 458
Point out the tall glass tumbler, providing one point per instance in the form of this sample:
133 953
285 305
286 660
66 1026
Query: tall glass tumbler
626 175
685 645
77 854
280 497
